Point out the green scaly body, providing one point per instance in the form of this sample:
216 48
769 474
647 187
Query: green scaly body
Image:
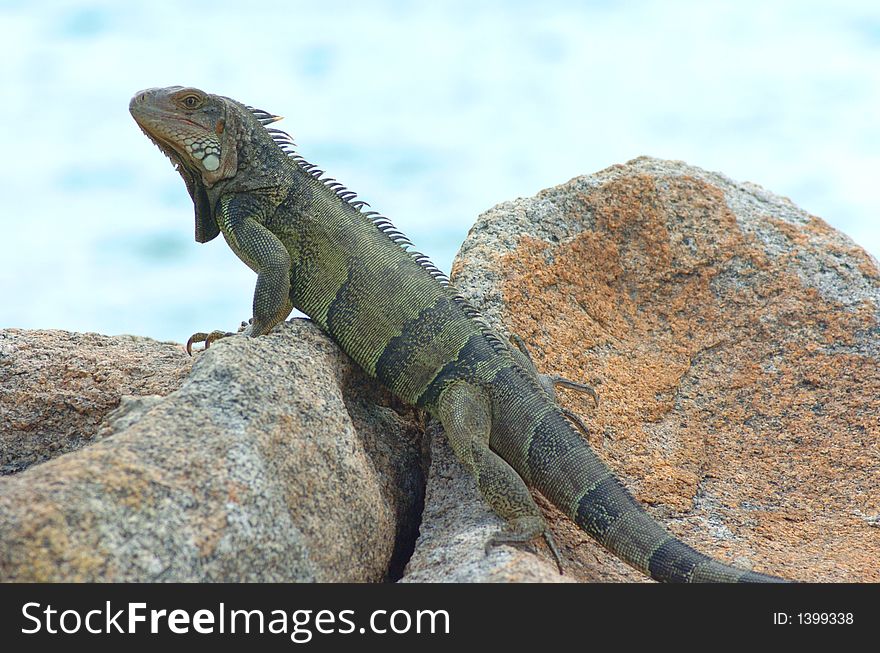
315 248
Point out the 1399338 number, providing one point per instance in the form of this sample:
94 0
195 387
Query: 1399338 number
810 618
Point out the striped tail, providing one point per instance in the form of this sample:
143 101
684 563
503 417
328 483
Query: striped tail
610 514
583 487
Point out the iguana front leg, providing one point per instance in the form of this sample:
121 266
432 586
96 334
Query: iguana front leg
265 254
464 411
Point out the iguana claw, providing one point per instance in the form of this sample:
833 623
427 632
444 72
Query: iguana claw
556 379
513 536
206 338
550 381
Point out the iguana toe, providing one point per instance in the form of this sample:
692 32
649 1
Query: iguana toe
207 338
524 531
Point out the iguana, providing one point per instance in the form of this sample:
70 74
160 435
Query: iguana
314 247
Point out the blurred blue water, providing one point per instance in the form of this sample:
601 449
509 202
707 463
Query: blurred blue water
432 112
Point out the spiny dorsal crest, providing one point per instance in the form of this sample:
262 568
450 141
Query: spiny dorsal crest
383 224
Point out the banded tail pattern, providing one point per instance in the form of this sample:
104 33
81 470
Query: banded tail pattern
542 446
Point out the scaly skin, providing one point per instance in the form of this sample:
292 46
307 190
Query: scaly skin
315 249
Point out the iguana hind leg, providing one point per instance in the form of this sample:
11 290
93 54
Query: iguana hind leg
548 381
465 413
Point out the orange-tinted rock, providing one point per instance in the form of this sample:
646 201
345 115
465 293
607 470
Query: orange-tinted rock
734 341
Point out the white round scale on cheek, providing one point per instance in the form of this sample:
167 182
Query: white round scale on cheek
211 162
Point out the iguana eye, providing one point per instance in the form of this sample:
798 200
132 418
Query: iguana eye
191 101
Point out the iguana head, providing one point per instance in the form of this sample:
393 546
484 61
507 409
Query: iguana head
198 132
190 126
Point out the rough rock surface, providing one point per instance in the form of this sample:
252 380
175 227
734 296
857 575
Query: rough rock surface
289 467
734 341
56 387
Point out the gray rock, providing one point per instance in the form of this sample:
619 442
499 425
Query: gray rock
276 460
56 387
